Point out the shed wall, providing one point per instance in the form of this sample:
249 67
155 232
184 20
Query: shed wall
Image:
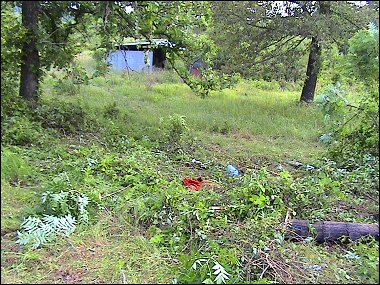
130 59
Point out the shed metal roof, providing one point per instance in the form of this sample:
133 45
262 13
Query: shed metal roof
159 42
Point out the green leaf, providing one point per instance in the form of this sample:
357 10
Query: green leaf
207 281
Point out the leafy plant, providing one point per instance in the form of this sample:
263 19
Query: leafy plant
21 130
111 111
355 128
67 203
12 34
13 167
363 55
366 255
66 87
39 231
332 100
102 66
255 195
217 273
62 210
174 131
74 76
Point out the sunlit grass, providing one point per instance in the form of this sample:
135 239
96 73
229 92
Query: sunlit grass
17 203
264 122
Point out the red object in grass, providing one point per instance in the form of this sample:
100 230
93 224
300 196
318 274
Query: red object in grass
192 183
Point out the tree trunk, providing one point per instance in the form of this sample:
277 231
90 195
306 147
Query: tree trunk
313 66
314 62
332 231
30 66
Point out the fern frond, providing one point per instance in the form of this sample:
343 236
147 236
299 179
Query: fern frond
39 231
31 224
220 272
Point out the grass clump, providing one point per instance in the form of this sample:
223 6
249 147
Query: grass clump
14 168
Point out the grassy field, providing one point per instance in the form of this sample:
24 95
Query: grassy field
261 121
133 142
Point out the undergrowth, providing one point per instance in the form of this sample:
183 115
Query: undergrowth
99 174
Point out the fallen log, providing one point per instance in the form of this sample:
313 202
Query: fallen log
331 231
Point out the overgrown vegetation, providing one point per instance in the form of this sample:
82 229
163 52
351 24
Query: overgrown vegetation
355 125
92 186
231 230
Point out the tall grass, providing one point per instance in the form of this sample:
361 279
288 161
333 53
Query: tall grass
268 122
13 167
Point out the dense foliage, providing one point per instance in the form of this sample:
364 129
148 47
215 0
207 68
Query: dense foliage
11 36
355 126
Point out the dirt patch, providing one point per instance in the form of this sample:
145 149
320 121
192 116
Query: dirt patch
69 275
8 242
8 231
243 134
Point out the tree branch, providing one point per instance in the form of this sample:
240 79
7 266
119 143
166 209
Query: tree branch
246 21
348 20
279 54
304 9
274 43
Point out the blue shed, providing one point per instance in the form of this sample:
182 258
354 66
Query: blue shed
139 56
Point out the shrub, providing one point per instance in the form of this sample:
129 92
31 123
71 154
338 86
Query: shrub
256 196
175 133
111 111
363 58
74 76
266 85
66 87
20 130
102 67
66 117
12 35
355 131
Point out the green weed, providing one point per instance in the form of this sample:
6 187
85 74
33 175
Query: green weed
14 168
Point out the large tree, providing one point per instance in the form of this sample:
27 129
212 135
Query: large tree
270 36
30 66
49 26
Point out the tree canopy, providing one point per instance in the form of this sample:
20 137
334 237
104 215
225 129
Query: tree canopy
270 38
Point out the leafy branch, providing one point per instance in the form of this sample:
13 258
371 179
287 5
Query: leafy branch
38 231
220 273
67 208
